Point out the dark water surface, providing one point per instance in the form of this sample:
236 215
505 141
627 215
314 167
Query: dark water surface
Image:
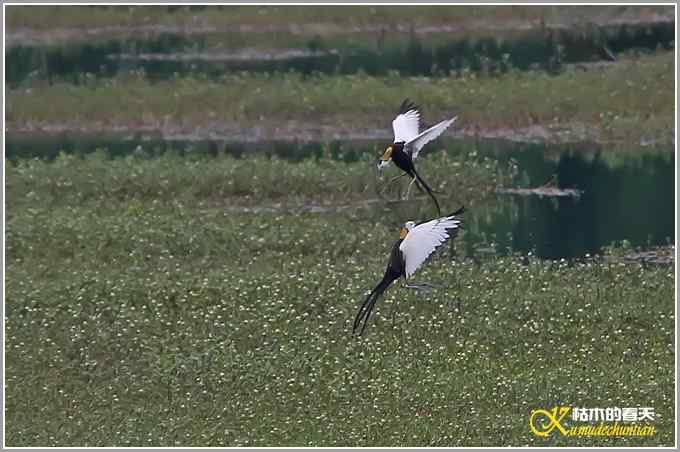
627 194
169 55
630 197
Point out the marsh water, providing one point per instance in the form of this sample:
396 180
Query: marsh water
625 195
375 52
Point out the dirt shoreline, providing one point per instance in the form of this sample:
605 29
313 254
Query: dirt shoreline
30 36
295 131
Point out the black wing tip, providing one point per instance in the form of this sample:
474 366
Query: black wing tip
460 210
407 105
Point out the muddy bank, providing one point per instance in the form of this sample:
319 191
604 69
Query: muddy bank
29 36
547 192
654 256
305 132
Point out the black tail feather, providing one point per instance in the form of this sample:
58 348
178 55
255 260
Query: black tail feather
368 304
428 189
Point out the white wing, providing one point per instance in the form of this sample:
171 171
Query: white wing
406 126
424 238
417 143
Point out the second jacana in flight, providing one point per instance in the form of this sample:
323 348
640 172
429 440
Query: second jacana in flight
416 243
408 141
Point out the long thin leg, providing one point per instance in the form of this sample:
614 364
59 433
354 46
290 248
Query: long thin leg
393 311
421 286
396 178
408 190
386 186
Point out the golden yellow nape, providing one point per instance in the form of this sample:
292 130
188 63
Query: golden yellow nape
402 233
387 154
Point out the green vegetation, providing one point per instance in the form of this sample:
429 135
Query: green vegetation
624 102
225 180
140 311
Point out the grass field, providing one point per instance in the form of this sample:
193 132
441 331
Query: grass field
200 180
140 311
624 102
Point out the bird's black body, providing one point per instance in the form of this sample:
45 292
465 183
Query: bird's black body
401 155
395 270
401 158
403 161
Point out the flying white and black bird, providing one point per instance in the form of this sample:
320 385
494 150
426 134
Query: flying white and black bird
408 141
416 243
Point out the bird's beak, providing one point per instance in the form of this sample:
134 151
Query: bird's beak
403 232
